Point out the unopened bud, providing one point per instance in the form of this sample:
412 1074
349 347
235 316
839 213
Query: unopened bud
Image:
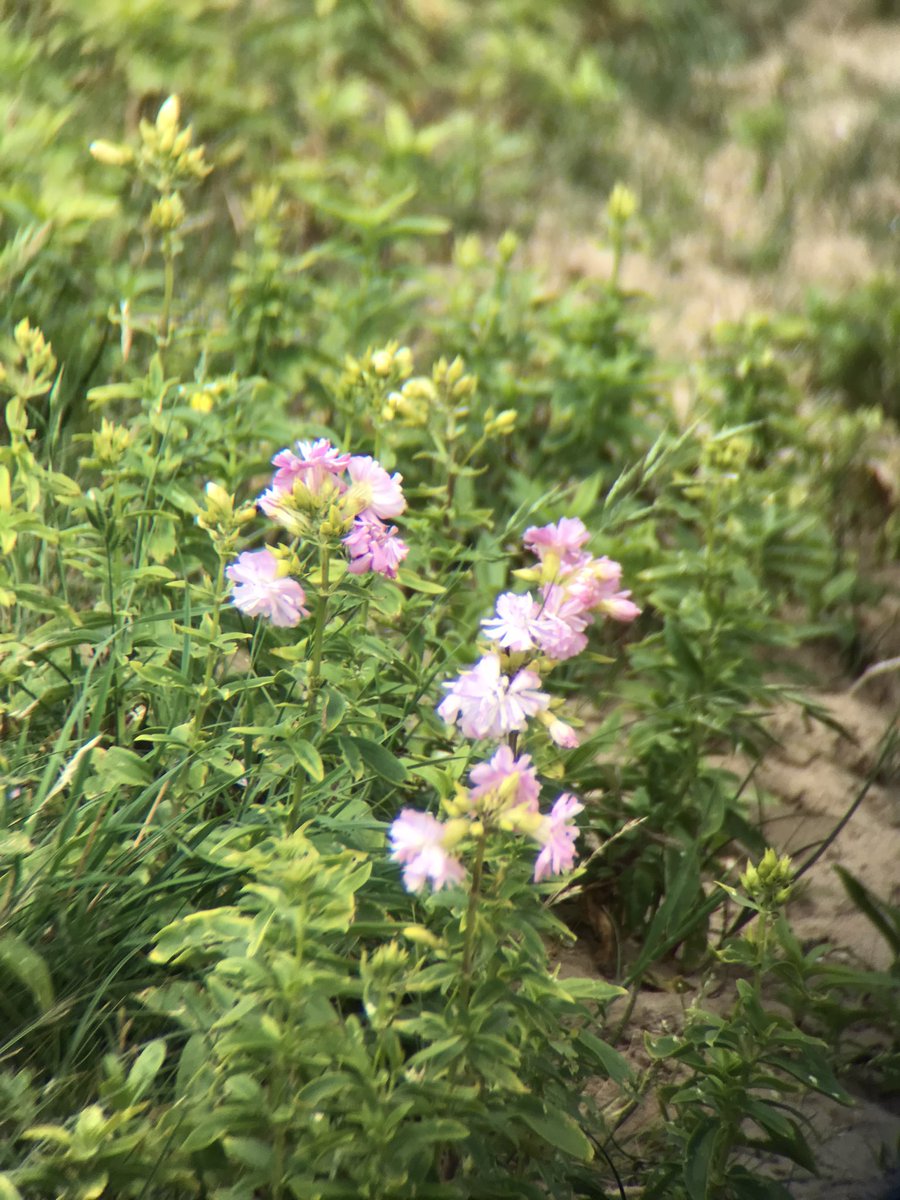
622 204
168 212
504 423
421 936
168 116
507 246
110 153
382 361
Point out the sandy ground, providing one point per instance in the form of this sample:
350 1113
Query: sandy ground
823 212
760 241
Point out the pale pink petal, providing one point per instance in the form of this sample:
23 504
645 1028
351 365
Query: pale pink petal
564 539
374 546
383 496
259 591
417 844
489 776
557 836
514 627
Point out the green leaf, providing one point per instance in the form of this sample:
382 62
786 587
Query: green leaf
562 1132
416 583
612 1062
26 965
250 1152
592 989
885 920
783 1134
380 760
333 710
309 758
698 1158
146 1068
8 1190
119 767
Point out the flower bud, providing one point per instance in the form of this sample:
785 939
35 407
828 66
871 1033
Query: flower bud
622 204
168 117
110 153
455 831
168 212
507 246
502 424
382 361
421 936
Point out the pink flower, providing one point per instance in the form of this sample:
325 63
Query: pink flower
561 623
516 773
381 493
487 703
557 835
417 844
619 607
514 627
317 463
596 586
259 591
564 539
562 734
374 546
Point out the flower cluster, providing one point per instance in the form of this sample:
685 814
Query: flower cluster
498 696
317 488
574 586
492 699
504 795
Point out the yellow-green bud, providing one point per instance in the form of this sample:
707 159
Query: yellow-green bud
421 936
455 370
622 204
455 831
419 388
769 882
504 423
111 153
168 212
507 246
468 252
110 442
168 117
382 360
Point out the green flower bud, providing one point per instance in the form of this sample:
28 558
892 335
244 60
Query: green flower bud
621 205
110 153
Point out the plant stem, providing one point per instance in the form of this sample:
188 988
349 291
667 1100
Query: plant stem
471 912
319 629
168 292
212 651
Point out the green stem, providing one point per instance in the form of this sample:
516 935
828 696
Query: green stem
212 653
168 292
617 247
318 630
471 912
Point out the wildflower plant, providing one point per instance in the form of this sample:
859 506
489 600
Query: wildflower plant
295 786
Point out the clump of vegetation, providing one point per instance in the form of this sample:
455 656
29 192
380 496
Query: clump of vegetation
364 609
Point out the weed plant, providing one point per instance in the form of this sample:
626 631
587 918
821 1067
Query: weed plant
280 857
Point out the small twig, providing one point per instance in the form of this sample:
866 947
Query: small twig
151 814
